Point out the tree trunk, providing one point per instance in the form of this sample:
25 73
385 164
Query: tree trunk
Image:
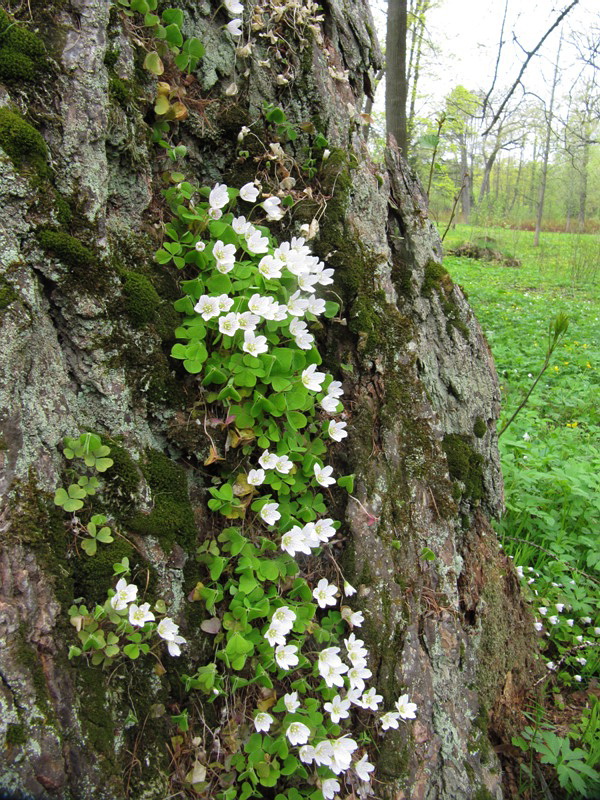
87 327
583 181
466 181
546 153
395 72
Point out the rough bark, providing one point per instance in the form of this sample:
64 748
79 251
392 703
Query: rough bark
422 388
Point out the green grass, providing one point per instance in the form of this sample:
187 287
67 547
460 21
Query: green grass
551 452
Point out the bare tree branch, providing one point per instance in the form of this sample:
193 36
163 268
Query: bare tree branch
486 99
530 55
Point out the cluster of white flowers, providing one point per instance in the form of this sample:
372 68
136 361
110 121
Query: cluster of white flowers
122 600
235 10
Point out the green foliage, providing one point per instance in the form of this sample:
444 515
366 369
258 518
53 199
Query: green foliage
22 143
21 51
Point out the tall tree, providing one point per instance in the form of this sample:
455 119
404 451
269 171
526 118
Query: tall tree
107 256
395 72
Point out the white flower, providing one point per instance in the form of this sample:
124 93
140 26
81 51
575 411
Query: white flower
218 196
294 541
323 475
296 306
167 629
284 465
140 615
223 252
542 610
235 27
312 380
356 676
324 276
241 226
233 7
577 678
263 721
228 324
284 617
254 345
550 665
271 206
291 702
337 430
338 709
342 750
224 302
538 626
330 404
274 635
570 622
307 754
553 620
270 268
389 720
248 321
297 733
174 646
559 606
310 535
125 594
371 699
285 656
316 306
349 590
354 618
324 529
586 620
249 192
304 340
363 768
405 709
325 593
199 246
207 307
297 326
258 305
255 477
335 389
582 661
329 787
526 436
333 675
215 213
269 513
306 282
257 243
268 460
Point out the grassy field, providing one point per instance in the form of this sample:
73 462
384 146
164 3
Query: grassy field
551 465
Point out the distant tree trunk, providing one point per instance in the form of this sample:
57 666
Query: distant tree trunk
583 185
418 11
395 72
546 152
515 193
466 181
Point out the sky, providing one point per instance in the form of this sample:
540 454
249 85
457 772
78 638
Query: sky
466 35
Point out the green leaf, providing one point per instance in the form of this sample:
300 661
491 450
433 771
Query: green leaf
173 35
276 116
162 106
173 16
194 47
132 651
102 464
296 420
104 535
154 64
90 546
347 482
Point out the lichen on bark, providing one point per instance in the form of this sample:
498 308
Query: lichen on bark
87 322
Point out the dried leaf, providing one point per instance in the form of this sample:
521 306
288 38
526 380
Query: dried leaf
212 625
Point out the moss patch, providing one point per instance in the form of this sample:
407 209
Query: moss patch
67 249
438 280
22 143
141 298
21 51
172 518
7 294
479 428
15 733
121 482
94 575
464 464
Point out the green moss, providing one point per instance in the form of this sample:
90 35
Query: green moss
111 57
7 294
464 464
93 575
15 733
438 280
123 92
482 793
436 277
22 143
28 657
67 249
64 211
172 519
94 713
21 40
15 67
121 482
479 428
141 298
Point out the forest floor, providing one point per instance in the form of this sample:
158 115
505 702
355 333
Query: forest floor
551 465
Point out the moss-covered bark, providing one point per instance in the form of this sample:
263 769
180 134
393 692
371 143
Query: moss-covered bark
87 321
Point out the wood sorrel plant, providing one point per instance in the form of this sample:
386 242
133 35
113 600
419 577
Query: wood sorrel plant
246 336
